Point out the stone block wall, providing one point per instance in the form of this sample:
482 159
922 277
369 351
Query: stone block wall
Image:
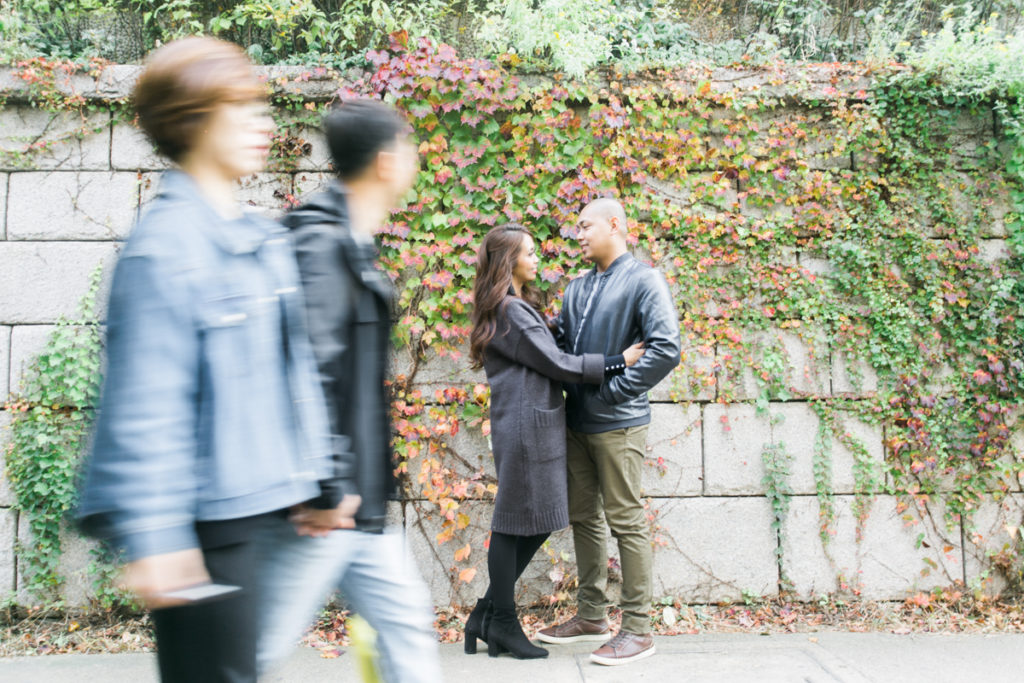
66 211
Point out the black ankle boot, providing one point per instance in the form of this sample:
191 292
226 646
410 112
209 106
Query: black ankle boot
476 625
504 634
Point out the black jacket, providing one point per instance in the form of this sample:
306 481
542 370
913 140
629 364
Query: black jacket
631 303
348 304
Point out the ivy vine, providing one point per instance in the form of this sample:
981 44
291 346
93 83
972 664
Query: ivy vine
51 413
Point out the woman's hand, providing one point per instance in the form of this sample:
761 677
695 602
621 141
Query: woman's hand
633 353
152 577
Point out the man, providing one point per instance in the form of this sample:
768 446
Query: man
619 302
348 303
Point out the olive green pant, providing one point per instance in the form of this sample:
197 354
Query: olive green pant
604 484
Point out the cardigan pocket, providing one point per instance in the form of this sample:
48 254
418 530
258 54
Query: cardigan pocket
544 436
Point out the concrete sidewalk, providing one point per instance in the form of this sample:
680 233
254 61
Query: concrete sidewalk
715 658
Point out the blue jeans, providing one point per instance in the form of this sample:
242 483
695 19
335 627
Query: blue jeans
377 578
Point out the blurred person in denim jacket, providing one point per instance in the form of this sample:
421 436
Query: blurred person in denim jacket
212 423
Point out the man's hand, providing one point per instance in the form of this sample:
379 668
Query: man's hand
312 522
151 577
633 353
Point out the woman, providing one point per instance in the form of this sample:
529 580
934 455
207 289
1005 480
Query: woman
212 423
525 369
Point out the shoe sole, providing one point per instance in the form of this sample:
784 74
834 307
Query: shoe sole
585 638
617 661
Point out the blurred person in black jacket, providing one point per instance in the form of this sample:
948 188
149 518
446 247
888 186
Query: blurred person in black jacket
348 304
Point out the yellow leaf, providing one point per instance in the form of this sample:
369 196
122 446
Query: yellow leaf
463 552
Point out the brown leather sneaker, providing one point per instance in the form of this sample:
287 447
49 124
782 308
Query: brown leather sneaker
624 648
575 630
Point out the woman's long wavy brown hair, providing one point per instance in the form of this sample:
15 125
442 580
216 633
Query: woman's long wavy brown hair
495 260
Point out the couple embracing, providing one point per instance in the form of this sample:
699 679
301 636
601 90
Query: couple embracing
577 460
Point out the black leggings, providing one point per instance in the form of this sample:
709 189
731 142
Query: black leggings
506 561
213 642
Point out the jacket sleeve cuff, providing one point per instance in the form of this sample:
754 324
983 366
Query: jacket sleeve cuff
593 368
140 544
614 365
332 491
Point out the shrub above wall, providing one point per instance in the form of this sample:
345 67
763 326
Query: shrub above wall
842 248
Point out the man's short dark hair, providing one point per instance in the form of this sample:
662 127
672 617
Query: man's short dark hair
357 130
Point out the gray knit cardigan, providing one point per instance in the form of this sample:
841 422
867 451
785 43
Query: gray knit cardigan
526 369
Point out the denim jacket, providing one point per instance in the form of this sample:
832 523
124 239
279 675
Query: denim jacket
211 409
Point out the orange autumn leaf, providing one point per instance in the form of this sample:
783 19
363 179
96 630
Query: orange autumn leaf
462 553
466 575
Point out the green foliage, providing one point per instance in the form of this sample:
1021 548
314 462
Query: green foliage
573 36
729 188
895 189
51 413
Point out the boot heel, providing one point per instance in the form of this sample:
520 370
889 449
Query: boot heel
493 649
476 625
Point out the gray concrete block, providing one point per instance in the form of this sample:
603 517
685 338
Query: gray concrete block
852 376
3 204
673 466
984 197
27 341
968 138
7 497
308 183
434 372
149 184
887 563
715 549
991 542
992 251
5 362
57 275
798 430
72 206
317 156
465 455
801 354
131 150
73 142
266 192
735 437
815 264
437 562
76 557
8 534
693 379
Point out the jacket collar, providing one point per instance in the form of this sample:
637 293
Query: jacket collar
360 253
617 263
243 235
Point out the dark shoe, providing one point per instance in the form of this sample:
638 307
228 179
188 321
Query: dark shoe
624 648
575 630
476 625
504 634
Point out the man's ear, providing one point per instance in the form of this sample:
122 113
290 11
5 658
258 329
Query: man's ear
614 225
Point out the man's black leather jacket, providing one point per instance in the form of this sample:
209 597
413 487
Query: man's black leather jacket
348 304
631 303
